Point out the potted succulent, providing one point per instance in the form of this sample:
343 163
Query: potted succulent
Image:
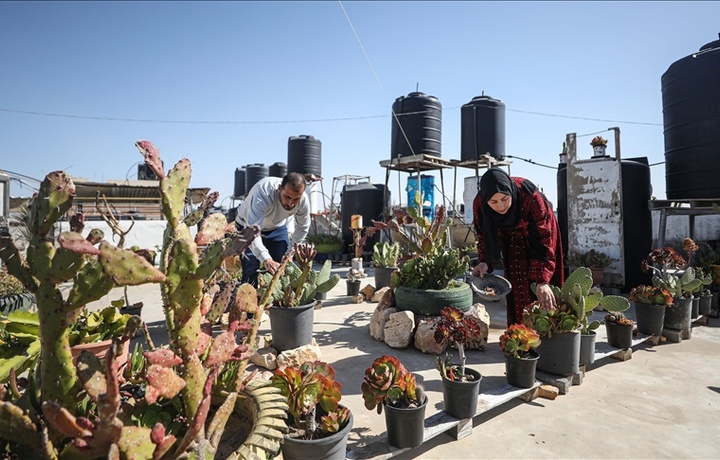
671 272
354 278
595 260
560 326
650 304
702 297
292 296
519 344
388 384
460 384
599 145
385 260
619 329
426 282
319 424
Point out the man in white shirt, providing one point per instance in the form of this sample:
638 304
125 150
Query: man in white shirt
269 204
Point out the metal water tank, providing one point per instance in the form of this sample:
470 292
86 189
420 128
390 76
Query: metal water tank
239 188
691 120
304 155
482 128
366 200
637 218
253 173
278 169
420 126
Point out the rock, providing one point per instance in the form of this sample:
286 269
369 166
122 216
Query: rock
368 291
399 328
424 339
377 322
480 341
379 294
300 355
387 300
265 357
548 391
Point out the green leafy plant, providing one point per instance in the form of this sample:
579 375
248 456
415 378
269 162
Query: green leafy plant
518 340
307 387
664 264
387 381
385 254
575 301
457 328
63 410
653 295
297 283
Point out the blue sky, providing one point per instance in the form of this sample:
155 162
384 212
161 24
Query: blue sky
226 84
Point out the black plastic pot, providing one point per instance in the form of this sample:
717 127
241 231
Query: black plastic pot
649 318
460 398
291 327
587 347
560 354
353 287
382 276
520 372
405 427
619 335
678 316
333 447
705 304
695 308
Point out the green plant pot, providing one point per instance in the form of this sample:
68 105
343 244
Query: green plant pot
429 302
291 327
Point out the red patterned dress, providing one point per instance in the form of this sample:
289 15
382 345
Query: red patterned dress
525 262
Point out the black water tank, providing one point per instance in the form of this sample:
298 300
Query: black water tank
482 128
420 117
145 172
637 218
366 200
278 169
239 189
691 120
304 155
253 173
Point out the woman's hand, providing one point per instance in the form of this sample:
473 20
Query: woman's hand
545 296
271 266
480 269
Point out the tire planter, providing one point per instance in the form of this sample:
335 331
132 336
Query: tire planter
587 347
460 398
291 327
520 372
619 335
405 427
333 447
649 318
678 316
429 302
382 276
560 354
328 248
705 304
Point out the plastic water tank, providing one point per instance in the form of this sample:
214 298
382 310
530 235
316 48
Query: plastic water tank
691 119
304 155
420 128
253 173
482 128
278 169
366 200
239 189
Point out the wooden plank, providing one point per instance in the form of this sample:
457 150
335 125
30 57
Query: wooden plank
442 422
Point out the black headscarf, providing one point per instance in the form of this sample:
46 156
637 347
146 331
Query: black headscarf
493 181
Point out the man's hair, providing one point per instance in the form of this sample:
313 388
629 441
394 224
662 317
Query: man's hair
296 181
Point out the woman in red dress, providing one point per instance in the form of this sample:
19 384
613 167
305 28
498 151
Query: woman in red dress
513 219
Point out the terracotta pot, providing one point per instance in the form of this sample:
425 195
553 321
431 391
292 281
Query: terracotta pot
99 349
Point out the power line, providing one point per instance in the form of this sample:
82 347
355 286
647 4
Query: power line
315 120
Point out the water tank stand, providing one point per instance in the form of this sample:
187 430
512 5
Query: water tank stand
690 208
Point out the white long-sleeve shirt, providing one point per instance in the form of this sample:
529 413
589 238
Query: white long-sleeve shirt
262 207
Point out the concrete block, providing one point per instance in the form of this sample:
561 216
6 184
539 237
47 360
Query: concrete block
547 391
